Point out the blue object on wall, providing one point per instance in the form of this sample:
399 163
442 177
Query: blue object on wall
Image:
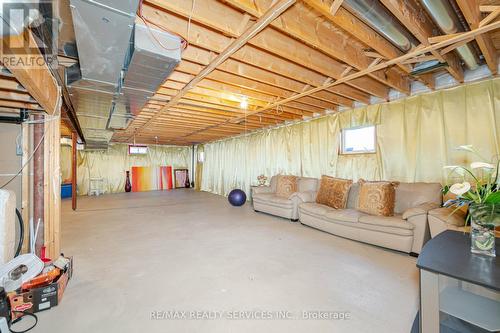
66 190
237 197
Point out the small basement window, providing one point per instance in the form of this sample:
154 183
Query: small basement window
359 140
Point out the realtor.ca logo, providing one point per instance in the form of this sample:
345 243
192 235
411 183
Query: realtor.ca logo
29 34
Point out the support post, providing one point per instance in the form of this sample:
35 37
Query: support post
73 170
38 181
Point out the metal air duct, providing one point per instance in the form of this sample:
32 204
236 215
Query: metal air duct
446 18
152 57
102 29
377 16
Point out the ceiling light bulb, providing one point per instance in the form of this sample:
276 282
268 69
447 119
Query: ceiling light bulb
244 104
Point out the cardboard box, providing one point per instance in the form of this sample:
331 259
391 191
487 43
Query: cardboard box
43 298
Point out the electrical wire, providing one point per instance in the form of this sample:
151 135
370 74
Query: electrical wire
184 42
56 108
189 20
25 164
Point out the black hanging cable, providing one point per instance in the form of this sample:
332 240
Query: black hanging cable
17 320
21 232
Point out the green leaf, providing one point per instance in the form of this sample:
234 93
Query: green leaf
493 198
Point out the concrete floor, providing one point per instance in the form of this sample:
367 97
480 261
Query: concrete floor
140 253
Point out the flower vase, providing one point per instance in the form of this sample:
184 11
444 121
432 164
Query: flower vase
128 185
483 217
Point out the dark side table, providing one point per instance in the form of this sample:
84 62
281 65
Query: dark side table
459 290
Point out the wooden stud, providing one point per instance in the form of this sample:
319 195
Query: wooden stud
335 6
415 53
473 17
39 81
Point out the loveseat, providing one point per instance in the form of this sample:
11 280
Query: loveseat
266 200
406 231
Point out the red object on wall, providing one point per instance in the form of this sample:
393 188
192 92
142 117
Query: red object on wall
169 178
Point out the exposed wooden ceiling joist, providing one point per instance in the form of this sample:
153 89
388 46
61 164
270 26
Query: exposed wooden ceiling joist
422 28
418 51
236 44
38 80
470 9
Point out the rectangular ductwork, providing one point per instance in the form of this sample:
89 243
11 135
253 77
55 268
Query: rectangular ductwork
102 30
121 65
152 57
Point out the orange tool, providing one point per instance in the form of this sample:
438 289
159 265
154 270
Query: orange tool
41 279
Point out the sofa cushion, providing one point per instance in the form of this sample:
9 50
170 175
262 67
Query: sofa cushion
315 209
286 185
272 199
409 195
333 192
345 215
395 221
305 184
352 199
376 198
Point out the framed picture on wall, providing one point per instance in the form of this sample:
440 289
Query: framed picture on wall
180 177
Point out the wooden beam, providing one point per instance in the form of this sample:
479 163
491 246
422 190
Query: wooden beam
266 68
415 53
364 33
322 37
492 16
472 14
264 21
335 6
487 8
422 28
271 47
38 80
455 46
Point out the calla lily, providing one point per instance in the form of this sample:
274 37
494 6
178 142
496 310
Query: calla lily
455 169
482 165
460 188
466 148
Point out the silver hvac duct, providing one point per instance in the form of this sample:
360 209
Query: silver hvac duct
377 16
446 18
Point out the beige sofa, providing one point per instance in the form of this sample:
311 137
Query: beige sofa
265 200
441 219
406 231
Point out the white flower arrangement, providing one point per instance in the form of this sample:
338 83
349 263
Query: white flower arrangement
485 185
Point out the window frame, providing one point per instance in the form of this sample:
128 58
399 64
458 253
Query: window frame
342 141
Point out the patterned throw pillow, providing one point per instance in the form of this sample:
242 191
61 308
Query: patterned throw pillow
286 185
377 198
333 192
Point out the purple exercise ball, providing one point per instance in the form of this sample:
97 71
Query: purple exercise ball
237 197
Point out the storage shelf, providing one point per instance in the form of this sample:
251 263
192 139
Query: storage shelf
472 308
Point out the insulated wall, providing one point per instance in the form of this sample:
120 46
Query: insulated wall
416 137
110 165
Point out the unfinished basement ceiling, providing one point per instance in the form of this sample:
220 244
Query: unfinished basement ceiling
303 48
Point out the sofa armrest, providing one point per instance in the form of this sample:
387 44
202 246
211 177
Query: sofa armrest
421 209
306 196
417 216
449 215
261 189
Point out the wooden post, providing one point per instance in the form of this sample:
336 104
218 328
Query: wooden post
25 189
52 184
73 170
38 181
